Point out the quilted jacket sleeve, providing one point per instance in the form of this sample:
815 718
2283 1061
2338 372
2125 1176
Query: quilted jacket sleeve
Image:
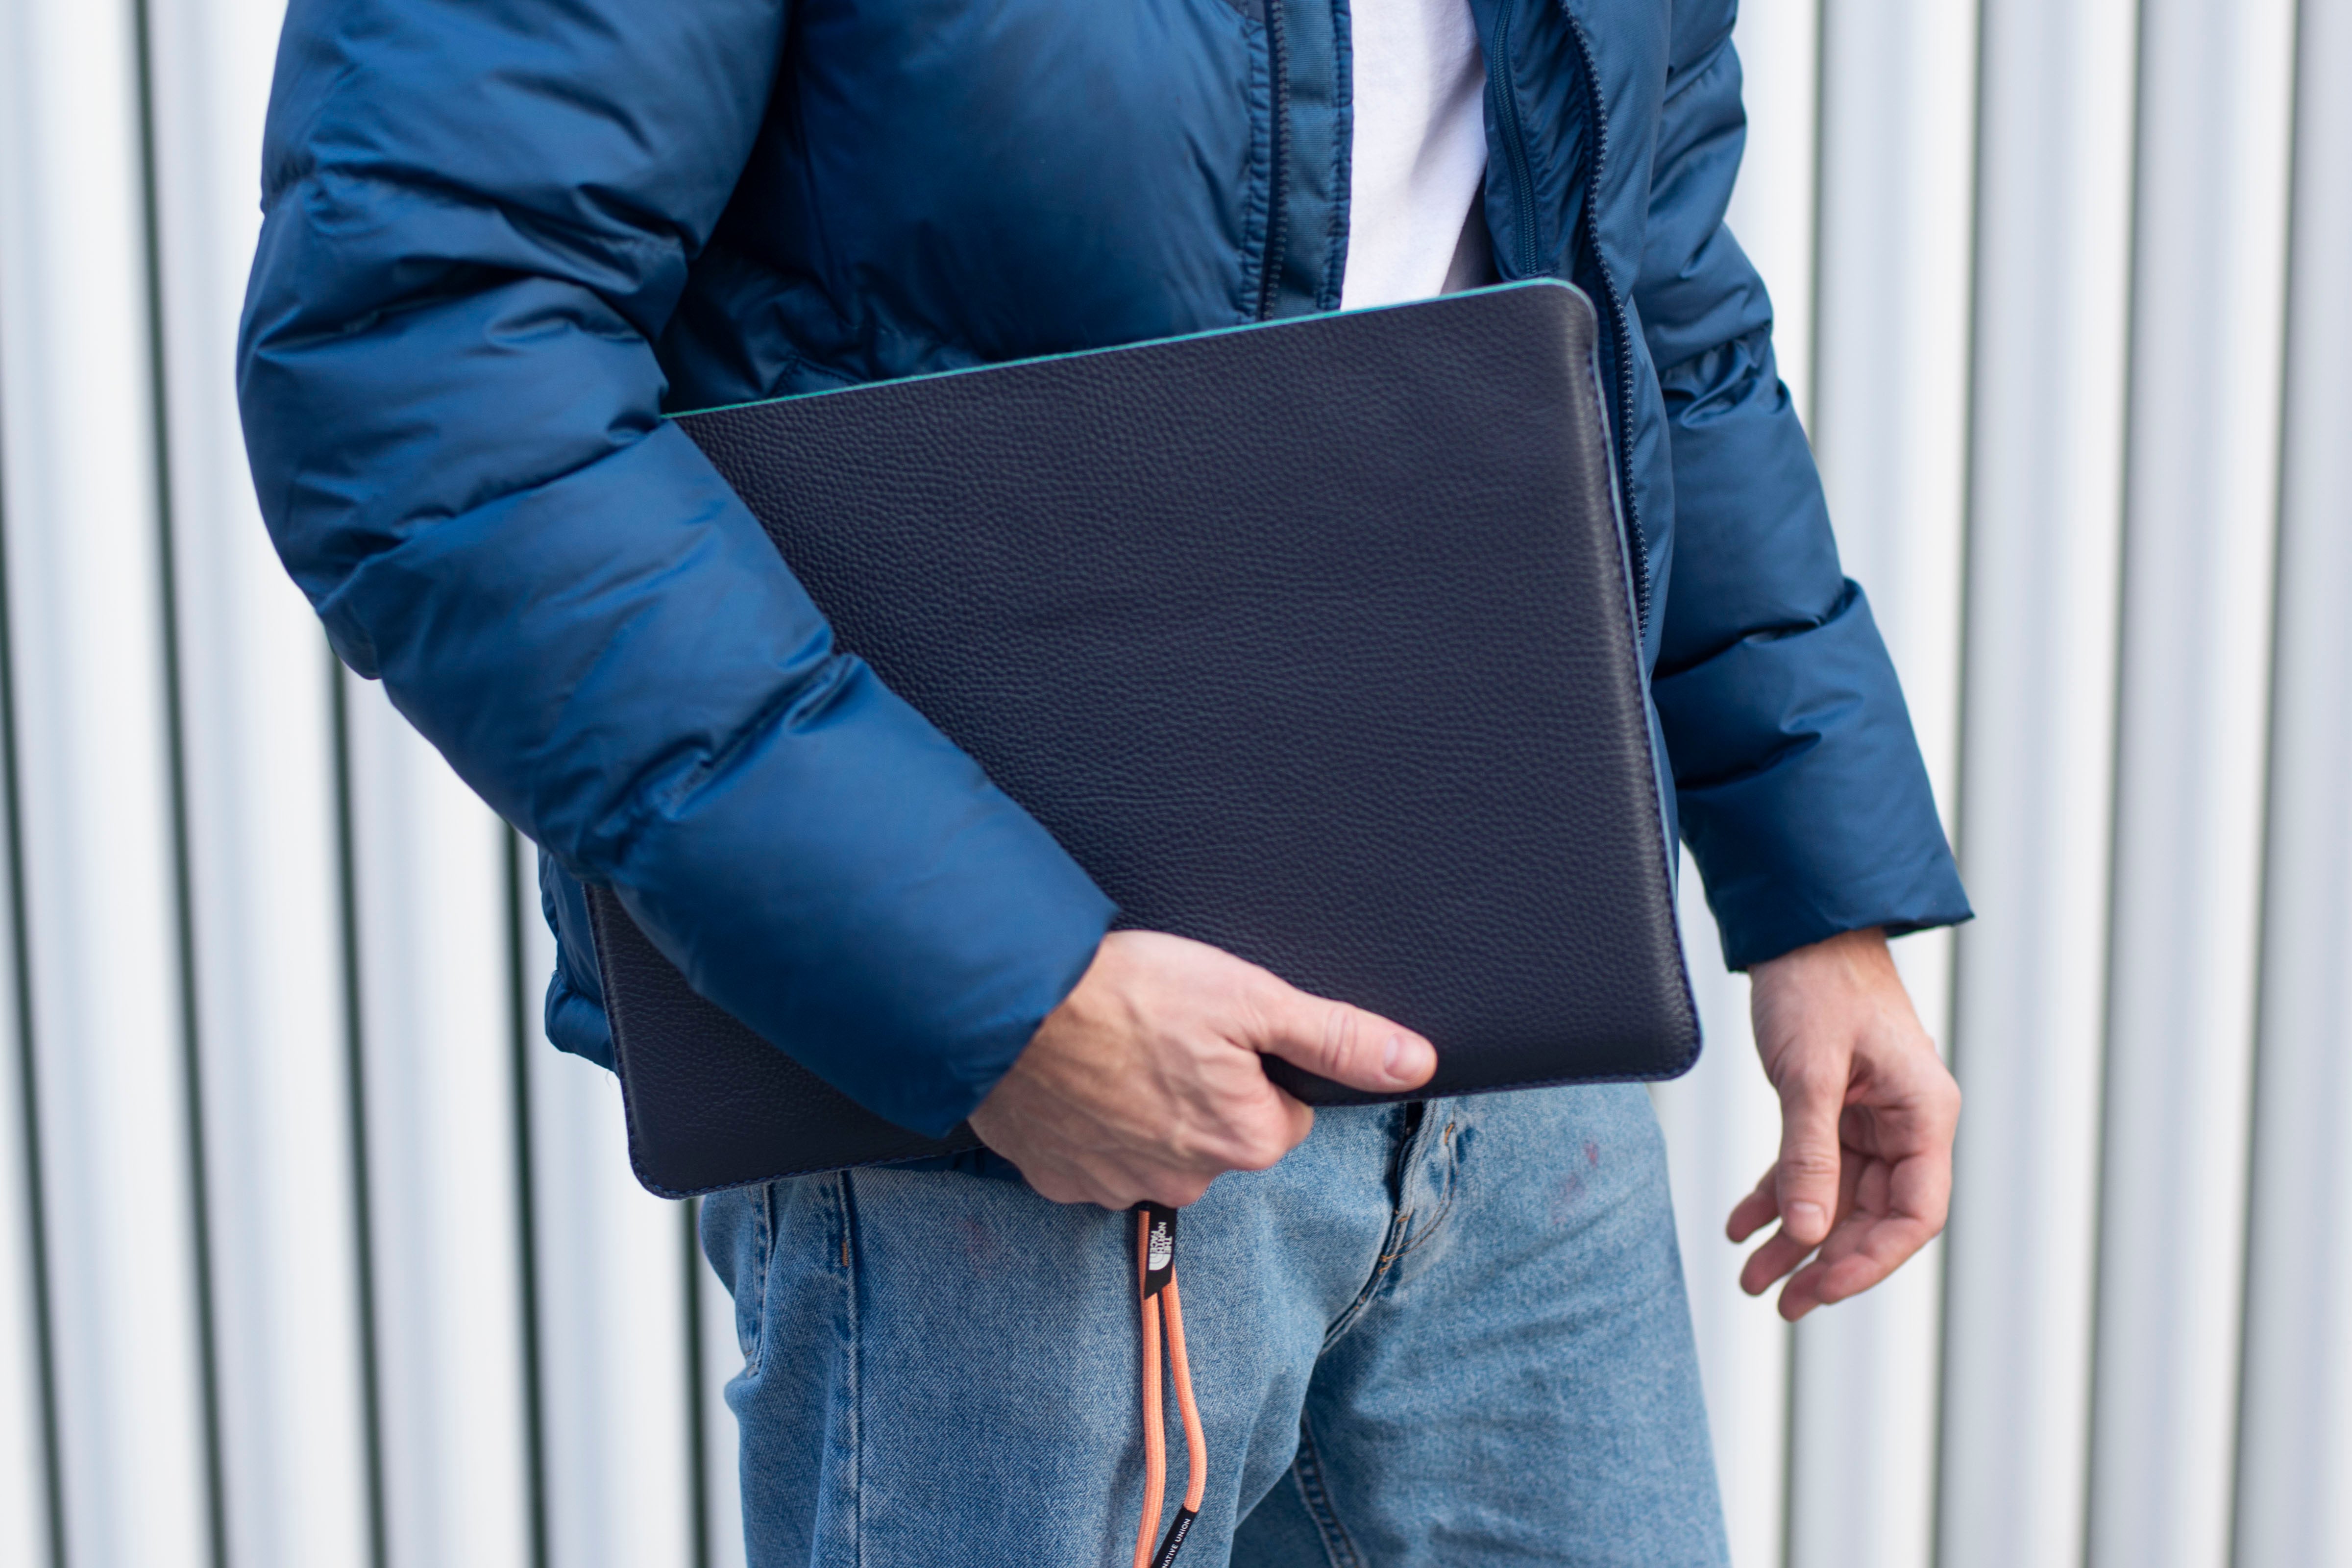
479 214
1799 782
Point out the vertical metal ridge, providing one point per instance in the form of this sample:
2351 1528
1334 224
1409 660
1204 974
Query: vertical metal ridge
356 1109
2108 1068
1810 414
27 1067
1824 14
1971 389
1789 1446
175 756
697 1442
1939 1434
534 1412
2280 692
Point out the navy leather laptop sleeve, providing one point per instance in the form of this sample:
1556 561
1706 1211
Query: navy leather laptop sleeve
1315 640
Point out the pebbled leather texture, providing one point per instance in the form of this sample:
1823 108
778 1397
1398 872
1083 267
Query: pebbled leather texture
1313 640
710 1104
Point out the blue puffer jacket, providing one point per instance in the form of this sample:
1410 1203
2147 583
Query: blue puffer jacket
503 237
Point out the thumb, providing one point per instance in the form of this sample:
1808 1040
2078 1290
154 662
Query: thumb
1344 1044
1805 1182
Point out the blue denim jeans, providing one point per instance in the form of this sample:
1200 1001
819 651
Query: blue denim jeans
1436 1337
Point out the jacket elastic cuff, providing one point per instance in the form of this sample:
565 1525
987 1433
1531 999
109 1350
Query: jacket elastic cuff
1801 791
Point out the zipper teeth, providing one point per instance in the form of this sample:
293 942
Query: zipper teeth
1507 105
1617 326
1277 48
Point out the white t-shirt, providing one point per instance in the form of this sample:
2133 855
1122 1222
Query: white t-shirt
1419 154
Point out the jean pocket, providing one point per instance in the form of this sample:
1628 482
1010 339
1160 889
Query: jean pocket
739 1230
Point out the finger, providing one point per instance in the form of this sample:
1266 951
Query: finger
1754 1212
1804 1291
1810 1102
1344 1044
1172 1191
1781 1253
1920 1186
1890 1244
1886 1243
1283 1127
1785 1251
1801 1295
1876 1243
1873 1237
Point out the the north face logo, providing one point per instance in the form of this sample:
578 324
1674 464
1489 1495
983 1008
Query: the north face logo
1163 1248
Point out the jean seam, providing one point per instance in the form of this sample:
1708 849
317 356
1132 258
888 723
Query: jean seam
1398 1241
1413 1242
845 1202
1444 1206
763 1229
1314 1492
1390 1252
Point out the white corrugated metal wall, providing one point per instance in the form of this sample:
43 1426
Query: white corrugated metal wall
312 1254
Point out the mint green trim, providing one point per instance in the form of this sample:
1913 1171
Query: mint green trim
1148 342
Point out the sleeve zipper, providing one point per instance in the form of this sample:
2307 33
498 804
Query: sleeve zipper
1277 213
1525 261
1619 330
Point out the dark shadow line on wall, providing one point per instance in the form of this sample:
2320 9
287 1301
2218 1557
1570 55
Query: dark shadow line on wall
2108 1054
1809 416
29 1075
1972 393
519 1044
698 1398
2306 87
355 1110
177 762
1809 412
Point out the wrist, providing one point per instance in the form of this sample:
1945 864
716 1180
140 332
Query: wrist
1859 954
1828 1000
1852 972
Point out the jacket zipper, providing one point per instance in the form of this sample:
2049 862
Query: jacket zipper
1515 145
1613 303
1277 50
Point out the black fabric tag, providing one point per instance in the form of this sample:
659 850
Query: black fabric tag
1159 1244
1173 1542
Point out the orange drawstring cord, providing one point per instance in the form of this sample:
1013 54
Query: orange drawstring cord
1155 1436
1156 1226
1196 1442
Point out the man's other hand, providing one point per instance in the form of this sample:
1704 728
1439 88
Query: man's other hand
1146 1081
1867 1115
